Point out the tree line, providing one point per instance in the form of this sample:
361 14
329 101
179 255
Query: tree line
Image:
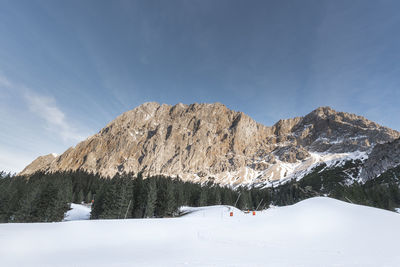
45 197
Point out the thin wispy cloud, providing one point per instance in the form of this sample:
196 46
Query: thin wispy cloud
4 82
34 124
47 109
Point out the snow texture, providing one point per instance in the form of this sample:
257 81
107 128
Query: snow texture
78 212
315 232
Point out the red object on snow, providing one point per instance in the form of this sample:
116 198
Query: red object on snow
231 214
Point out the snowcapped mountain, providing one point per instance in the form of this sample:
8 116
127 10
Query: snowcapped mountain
209 142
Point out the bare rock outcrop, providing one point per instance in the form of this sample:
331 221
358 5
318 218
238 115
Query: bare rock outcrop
382 158
198 142
41 163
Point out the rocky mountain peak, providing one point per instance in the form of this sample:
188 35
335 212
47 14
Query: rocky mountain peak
202 142
329 114
41 163
333 131
323 112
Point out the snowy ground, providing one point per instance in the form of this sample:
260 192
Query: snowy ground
315 232
78 212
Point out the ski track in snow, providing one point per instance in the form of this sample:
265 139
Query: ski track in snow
315 232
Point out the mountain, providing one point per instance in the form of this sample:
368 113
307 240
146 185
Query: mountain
209 142
383 157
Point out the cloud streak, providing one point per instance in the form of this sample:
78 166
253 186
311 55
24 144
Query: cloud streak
4 82
46 108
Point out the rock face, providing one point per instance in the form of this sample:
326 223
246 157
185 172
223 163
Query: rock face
202 142
42 163
382 158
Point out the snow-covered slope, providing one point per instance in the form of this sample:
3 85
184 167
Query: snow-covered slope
315 232
78 212
299 169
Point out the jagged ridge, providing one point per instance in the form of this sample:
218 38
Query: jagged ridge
202 142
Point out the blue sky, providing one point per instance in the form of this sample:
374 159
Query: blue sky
67 68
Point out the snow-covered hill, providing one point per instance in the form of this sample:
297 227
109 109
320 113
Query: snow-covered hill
315 232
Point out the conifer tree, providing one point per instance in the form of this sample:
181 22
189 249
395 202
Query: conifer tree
139 197
79 197
124 196
151 198
89 197
170 199
203 197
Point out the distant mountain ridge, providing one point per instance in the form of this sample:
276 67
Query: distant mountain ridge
209 142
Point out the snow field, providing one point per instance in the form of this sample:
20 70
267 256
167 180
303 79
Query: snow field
315 232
